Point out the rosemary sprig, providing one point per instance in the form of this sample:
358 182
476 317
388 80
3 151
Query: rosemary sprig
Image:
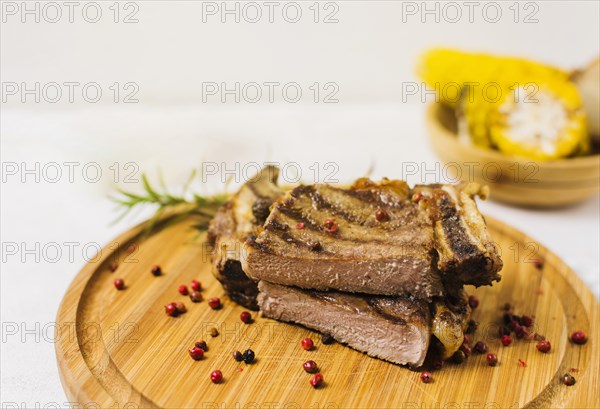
163 201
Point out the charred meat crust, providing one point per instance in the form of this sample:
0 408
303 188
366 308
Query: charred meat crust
467 255
234 222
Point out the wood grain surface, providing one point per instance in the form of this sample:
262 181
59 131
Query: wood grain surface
119 349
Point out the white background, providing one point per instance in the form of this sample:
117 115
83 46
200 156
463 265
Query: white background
369 53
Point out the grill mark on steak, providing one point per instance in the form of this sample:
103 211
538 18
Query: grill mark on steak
370 197
367 228
296 217
275 225
398 256
322 204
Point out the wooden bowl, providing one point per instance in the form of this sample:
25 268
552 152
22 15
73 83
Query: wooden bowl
515 180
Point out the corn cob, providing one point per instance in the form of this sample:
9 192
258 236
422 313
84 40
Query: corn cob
534 111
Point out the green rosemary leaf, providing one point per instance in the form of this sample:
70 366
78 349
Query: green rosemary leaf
151 192
178 206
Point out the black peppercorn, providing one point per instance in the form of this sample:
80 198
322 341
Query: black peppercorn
248 356
459 357
471 326
202 345
568 379
314 246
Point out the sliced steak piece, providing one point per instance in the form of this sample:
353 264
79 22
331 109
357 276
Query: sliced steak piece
387 255
232 225
396 329
377 238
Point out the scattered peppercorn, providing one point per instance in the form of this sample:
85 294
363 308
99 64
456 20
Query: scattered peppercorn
466 349
171 309
214 303
330 226
502 331
514 326
506 340
196 353
214 332
327 339
568 379
310 366
492 359
473 302
314 246
523 332
237 355
180 307
381 215
538 263
195 296
438 363
183 290
307 344
119 284
216 376
316 380
472 326
579 337
113 267
480 347
466 339
196 285
300 226
507 307
426 377
507 317
202 345
459 357
543 346
246 317
527 320
248 356
156 271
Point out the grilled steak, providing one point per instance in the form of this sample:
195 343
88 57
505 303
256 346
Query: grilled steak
396 329
377 238
232 225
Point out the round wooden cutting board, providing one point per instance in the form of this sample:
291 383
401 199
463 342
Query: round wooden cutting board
119 349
